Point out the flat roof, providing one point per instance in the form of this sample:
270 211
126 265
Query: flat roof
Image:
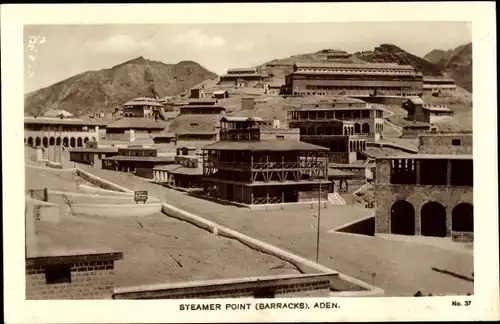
355 66
169 250
241 118
437 108
265 145
187 171
62 121
243 75
168 167
166 159
143 102
94 150
428 157
138 123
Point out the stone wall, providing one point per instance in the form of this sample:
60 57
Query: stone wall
279 286
418 195
443 144
92 279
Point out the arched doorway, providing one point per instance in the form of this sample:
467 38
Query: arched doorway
72 142
357 128
58 141
462 218
79 142
433 219
45 142
30 140
402 218
65 142
38 141
365 129
52 141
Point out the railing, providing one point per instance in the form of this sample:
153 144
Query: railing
288 165
266 200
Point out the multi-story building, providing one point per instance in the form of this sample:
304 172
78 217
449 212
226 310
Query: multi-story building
353 79
131 129
437 85
143 107
53 135
242 77
341 124
248 167
429 193
202 107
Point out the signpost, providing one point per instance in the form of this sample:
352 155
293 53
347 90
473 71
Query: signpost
141 195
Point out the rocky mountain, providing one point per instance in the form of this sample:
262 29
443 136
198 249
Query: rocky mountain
456 63
385 53
388 53
107 89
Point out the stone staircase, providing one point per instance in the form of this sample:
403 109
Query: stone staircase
336 199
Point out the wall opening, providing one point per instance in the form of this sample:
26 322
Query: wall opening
402 218
57 275
433 219
463 218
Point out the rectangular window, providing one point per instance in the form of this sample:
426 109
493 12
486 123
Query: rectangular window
456 142
280 137
57 275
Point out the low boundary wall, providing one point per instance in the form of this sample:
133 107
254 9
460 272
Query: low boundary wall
104 192
302 264
65 197
113 210
280 286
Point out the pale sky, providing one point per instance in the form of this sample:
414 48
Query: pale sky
61 51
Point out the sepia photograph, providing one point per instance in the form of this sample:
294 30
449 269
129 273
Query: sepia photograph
252 166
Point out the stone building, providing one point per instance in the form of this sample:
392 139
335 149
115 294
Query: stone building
429 193
242 77
244 167
353 79
143 107
55 135
438 85
130 129
341 124
91 154
420 112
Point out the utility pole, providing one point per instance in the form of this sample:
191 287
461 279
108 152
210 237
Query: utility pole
319 217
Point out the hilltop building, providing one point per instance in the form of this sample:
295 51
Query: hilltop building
354 79
143 107
253 164
429 193
438 85
242 77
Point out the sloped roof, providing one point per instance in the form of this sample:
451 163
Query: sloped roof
63 121
241 118
266 145
139 123
416 101
354 66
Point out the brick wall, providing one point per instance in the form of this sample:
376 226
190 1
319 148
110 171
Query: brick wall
89 279
304 285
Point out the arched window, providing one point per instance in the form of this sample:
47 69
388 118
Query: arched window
58 141
79 142
402 218
433 219
85 140
357 128
72 142
45 142
365 129
52 141
463 218
30 140
65 142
